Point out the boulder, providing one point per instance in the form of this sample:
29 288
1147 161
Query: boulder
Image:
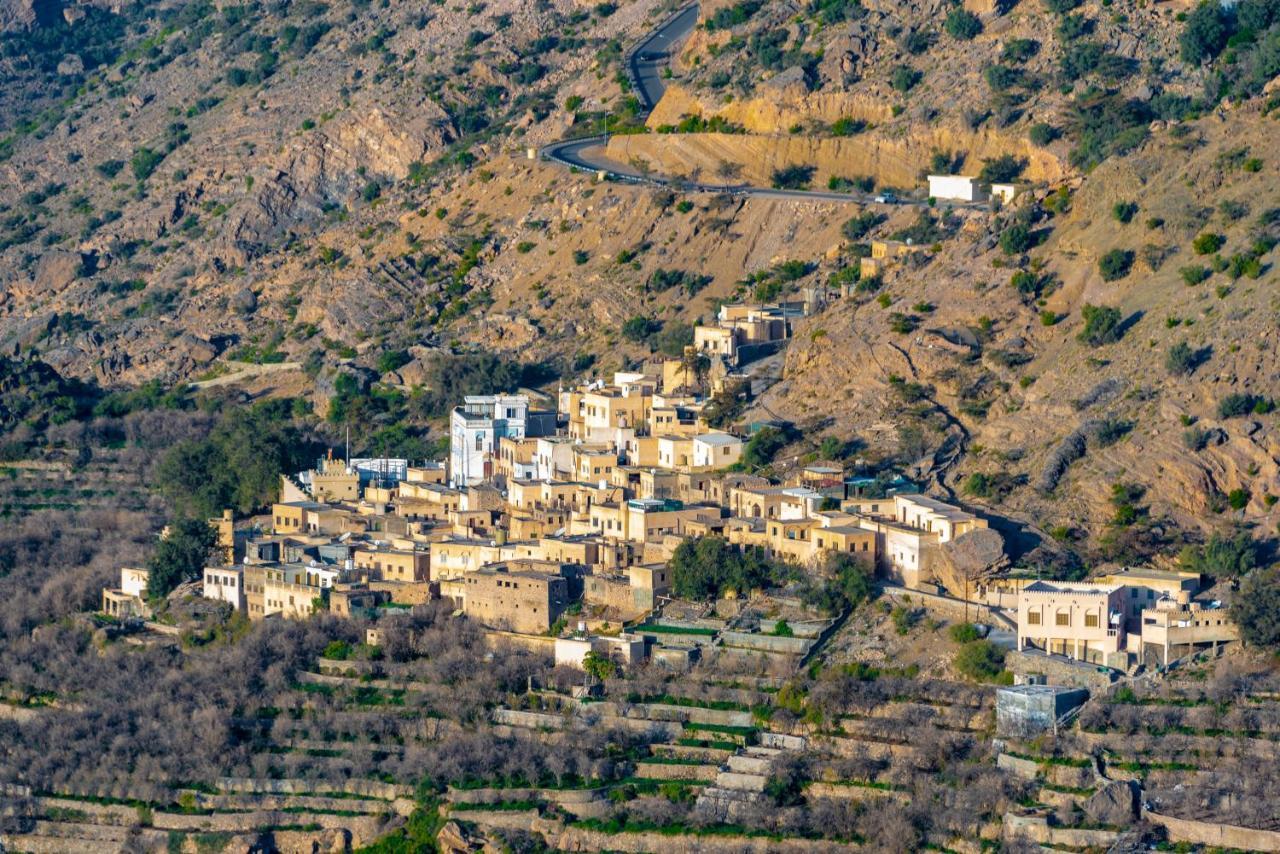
245 301
1116 803
973 556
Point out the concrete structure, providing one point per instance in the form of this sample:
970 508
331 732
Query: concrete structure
961 188
715 451
625 649
526 602
1006 193
1175 627
476 427
1027 711
129 599
225 584
1081 621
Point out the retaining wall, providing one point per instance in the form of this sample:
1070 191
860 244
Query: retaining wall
1214 834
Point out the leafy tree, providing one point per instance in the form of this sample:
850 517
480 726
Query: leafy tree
181 556
144 162
1115 264
709 567
1256 609
598 666
858 227
1222 556
393 360
1205 34
1002 169
762 447
1102 325
1016 239
238 465
962 24
849 582
792 177
639 328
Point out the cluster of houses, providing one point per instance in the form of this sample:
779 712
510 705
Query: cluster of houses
543 514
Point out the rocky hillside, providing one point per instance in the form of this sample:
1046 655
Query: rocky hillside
344 188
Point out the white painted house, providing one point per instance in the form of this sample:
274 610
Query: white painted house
960 188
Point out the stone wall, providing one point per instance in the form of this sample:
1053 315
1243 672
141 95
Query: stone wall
670 771
1216 835
1057 671
365 788
853 792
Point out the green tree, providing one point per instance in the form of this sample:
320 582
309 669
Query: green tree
709 567
180 556
762 447
1115 264
1205 33
981 660
849 582
1016 239
1102 325
1256 609
962 24
599 667
1222 556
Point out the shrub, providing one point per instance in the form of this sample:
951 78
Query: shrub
1124 211
1181 360
1042 134
525 246
110 168
1194 274
1102 325
847 126
1019 50
1238 404
858 227
639 328
1016 239
581 256
980 660
962 24
1002 169
1207 243
904 78
144 162
1115 264
964 633
393 360
792 178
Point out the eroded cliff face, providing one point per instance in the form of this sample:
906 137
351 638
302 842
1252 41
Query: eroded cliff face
895 161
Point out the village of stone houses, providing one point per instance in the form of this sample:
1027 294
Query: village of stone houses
691 652
670 426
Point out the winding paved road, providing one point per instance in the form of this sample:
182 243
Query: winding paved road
645 64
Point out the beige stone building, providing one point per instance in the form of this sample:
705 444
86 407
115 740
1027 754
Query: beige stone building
519 601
